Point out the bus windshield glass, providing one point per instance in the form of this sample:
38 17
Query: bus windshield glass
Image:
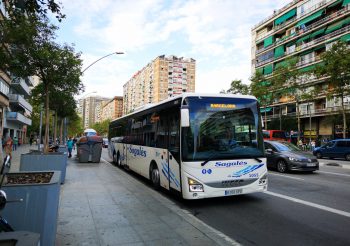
222 128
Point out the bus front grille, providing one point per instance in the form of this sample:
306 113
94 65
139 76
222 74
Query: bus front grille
231 183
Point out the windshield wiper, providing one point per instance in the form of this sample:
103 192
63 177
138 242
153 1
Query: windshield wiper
214 155
256 158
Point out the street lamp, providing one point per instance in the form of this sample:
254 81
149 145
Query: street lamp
114 53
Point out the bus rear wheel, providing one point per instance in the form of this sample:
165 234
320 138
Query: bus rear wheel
114 158
155 177
119 161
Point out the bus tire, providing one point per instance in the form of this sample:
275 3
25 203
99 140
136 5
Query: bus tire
155 176
119 161
114 158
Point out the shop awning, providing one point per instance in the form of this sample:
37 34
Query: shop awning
307 69
263 110
281 64
334 27
268 41
345 2
279 51
318 32
303 39
285 17
310 18
335 3
345 37
268 69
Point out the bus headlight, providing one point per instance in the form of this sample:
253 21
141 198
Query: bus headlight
195 186
263 180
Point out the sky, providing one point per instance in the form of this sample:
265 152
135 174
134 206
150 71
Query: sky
216 33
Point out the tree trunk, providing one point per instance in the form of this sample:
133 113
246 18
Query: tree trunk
55 128
61 132
344 116
298 118
265 118
47 119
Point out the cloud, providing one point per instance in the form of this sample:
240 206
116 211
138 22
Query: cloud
217 34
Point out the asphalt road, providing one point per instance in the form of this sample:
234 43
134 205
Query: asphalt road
298 209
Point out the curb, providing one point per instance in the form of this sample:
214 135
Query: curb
333 164
216 236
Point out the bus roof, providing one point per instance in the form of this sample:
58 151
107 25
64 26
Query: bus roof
184 95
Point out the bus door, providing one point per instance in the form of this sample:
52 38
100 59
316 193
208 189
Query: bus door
174 150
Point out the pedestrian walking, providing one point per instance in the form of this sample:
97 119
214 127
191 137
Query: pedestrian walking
8 146
313 145
300 144
15 143
70 147
31 140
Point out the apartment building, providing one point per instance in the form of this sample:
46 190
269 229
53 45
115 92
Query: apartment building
113 109
15 110
304 29
162 78
90 109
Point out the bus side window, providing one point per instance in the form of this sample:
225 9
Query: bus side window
174 135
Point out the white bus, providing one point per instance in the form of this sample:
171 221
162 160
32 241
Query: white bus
198 145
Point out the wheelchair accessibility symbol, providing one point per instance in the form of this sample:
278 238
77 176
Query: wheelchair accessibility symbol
207 171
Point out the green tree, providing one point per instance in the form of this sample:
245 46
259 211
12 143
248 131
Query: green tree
335 70
261 89
102 127
38 8
32 51
287 80
237 87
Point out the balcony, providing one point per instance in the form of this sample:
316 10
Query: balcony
314 112
30 81
328 37
335 16
20 101
18 117
20 86
287 23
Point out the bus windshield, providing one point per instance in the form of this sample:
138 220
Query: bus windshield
222 128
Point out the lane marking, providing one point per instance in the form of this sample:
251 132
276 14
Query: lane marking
311 204
285 176
339 174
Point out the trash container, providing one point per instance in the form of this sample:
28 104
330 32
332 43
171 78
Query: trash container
95 143
89 149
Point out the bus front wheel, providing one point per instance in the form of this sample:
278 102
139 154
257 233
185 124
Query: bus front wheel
155 177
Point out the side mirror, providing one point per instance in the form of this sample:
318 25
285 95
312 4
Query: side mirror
185 117
269 151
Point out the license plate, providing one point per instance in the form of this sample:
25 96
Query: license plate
311 164
233 192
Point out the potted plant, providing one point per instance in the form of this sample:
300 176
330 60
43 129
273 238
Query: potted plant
39 210
39 161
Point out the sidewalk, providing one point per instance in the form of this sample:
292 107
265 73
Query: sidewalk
103 205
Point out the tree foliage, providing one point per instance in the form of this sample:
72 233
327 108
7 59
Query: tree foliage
39 8
335 70
259 88
287 81
237 87
29 50
102 127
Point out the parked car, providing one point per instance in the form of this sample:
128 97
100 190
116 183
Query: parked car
285 156
338 148
105 143
275 135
